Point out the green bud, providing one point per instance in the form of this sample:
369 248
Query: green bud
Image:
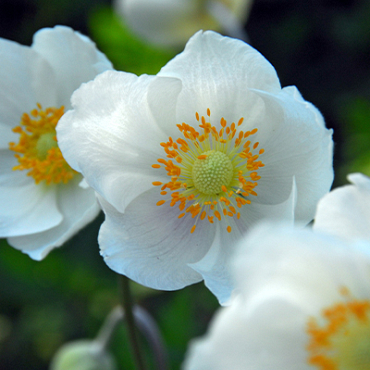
82 355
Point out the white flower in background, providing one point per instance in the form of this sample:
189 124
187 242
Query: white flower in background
186 161
345 211
303 304
43 202
173 22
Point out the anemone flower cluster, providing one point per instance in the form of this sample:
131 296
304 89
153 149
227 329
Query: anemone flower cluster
186 161
43 200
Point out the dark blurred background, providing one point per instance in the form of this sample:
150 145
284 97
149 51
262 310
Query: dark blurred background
322 47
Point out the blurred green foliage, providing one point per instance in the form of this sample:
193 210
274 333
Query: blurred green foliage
126 51
321 46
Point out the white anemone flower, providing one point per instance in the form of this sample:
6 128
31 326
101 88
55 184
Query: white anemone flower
303 303
345 211
172 22
43 201
185 161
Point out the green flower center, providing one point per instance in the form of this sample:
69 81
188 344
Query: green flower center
44 144
210 173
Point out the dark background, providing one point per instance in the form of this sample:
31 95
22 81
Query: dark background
322 47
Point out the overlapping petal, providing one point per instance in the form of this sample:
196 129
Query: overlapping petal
150 246
77 208
80 64
116 136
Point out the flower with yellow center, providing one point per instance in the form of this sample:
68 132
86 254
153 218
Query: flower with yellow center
186 161
37 149
303 304
43 200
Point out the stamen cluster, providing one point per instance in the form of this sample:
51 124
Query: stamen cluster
343 341
231 151
37 149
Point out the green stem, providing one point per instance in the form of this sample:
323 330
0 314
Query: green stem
131 327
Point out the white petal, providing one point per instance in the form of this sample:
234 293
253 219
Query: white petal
299 146
259 335
114 147
150 245
25 79
345 211
73 57
78 207
313 267
27 208
163 94
217 73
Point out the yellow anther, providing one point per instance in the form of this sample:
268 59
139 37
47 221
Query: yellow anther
37 149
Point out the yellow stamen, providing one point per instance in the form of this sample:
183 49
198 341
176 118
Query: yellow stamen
37 149
210 169
340 339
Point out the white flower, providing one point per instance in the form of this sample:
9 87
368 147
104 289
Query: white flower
43 202
212 177
345 211
173 22
303 304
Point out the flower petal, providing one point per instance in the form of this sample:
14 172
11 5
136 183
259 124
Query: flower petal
27 209
217 73
250 337
25 79
345 211
151 245
302 262
118 144
73 57
299 146
78 207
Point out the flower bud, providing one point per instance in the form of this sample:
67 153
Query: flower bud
82 355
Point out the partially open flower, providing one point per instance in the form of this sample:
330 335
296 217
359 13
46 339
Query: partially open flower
303 303
43 200
185 161
173 22
345 211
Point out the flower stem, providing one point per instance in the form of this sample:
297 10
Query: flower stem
106 331
150 330
131 327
